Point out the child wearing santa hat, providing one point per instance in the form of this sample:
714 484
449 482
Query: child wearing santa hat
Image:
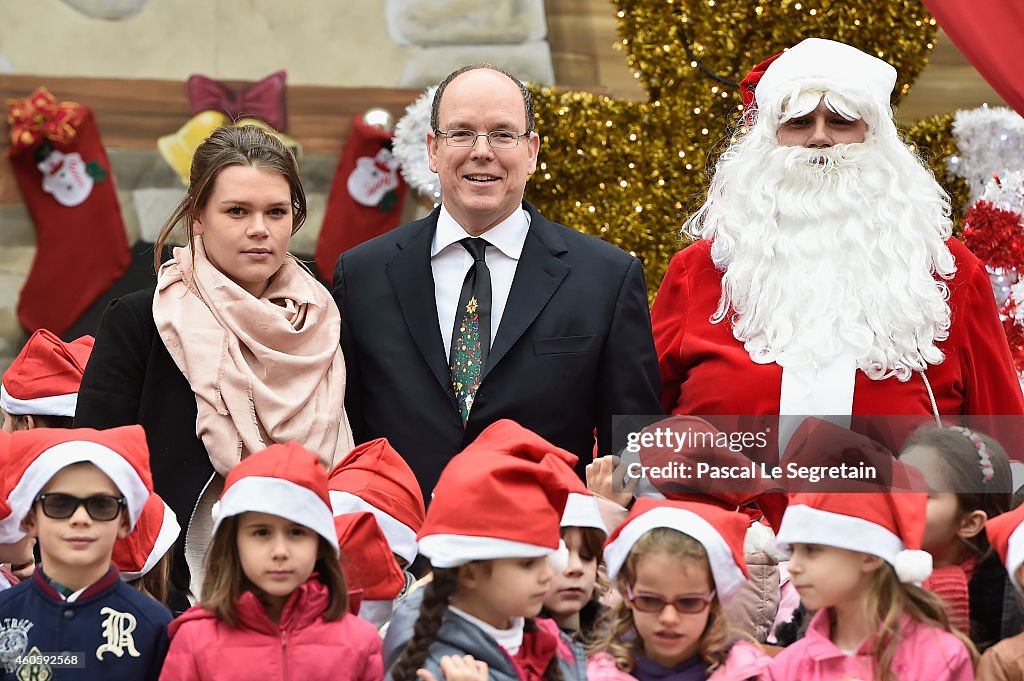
856 560
144 556
1005 660
574 602
489 531
40 388
17 555
274 601
676 563
969 480
77 491
374 478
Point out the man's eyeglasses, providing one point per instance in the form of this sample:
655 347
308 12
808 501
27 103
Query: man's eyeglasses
688 605
102 507
498 139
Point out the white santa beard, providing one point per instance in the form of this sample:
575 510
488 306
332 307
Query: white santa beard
831 258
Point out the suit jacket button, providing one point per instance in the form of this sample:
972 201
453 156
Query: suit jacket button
69 614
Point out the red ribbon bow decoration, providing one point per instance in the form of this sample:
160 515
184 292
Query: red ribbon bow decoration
263 99
40 117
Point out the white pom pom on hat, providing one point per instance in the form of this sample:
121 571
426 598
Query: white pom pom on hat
559 560
913 566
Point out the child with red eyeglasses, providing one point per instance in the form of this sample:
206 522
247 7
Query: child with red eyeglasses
675 564
77 491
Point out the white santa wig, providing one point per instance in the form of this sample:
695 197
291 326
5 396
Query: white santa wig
827 251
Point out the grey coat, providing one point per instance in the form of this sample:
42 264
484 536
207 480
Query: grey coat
458 636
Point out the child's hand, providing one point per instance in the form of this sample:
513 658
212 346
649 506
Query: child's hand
455 668
600 480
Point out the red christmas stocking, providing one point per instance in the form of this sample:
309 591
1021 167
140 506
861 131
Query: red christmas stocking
65 178
366 195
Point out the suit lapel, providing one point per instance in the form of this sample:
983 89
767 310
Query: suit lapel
539 273
413 282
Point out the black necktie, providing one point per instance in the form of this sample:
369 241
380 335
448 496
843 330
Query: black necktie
471 337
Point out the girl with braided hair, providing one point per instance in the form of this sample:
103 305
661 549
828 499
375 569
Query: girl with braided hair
492 537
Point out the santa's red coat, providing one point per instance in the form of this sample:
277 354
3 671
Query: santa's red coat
705 370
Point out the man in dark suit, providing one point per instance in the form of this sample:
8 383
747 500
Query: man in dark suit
486 310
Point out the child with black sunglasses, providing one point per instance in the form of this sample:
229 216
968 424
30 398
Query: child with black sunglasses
675 564
77 491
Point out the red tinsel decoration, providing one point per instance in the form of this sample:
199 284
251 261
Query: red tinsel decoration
994 235
1014 333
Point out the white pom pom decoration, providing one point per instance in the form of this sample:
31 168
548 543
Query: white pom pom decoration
913 566
559 560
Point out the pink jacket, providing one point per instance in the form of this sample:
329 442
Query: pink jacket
302 647
925 653
745 662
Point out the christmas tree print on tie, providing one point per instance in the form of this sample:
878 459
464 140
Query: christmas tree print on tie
466 359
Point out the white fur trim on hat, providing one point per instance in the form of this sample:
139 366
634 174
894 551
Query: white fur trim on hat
826 64
581 510
1015 554
806 525
400 536
279 497
60 456
169 531
453 550
728 576
51 405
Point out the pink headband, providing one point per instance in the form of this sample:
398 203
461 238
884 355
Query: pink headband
985 458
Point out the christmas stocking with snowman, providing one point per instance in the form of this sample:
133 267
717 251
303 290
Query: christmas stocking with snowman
366 195
64 175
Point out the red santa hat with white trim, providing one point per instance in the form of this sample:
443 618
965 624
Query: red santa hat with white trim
44 378
501 497
374 477
719 531
1006 535
141 549
39 454
369 565
285 480
816 63
887 525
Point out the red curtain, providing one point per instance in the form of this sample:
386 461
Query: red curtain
990 33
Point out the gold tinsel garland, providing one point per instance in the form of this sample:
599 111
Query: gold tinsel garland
631 172
933 138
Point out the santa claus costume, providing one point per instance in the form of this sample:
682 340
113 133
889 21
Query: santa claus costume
824 279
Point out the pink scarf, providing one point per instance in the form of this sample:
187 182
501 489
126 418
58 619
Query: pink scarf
264 370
